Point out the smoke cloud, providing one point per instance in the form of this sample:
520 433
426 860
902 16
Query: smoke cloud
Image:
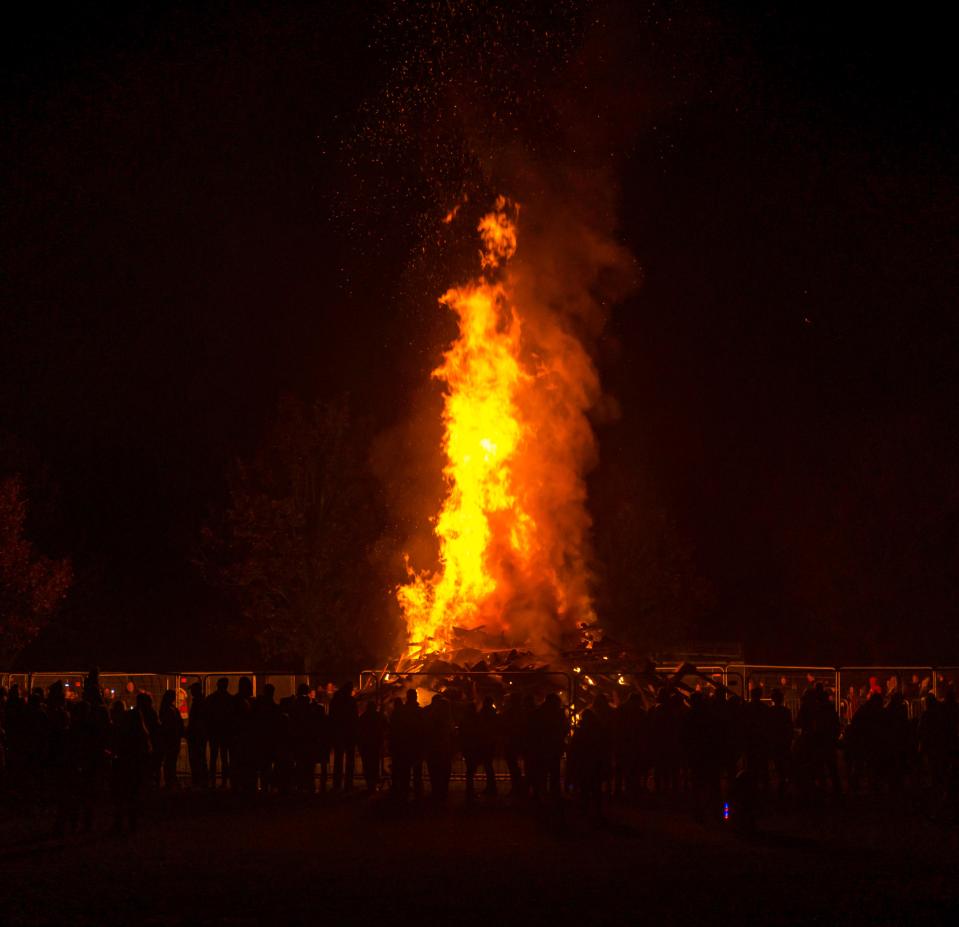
556 160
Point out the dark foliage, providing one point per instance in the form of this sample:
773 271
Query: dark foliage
32 586
293 547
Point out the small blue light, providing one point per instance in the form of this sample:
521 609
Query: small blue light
725 810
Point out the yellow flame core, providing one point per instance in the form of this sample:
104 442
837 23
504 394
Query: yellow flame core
512 526
482 371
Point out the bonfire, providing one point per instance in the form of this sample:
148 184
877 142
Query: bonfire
509 603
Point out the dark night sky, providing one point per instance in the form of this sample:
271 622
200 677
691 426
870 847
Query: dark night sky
194 224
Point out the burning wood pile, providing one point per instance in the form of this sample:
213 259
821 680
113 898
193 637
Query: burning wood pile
475 664
590 665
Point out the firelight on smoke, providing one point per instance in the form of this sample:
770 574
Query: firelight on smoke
511 528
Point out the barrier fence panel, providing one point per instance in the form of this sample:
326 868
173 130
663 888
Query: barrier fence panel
947 678
284 684
122 686
21 680
72 682
126 687
792 681
913 683
210 679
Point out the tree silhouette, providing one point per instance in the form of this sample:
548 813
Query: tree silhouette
293 547
650 590
32 585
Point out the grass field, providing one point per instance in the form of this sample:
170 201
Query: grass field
217 859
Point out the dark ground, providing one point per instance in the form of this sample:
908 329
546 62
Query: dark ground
209 859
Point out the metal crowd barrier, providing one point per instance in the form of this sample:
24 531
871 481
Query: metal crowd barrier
912 682
947 677
792 681
115 684
376 678
848 684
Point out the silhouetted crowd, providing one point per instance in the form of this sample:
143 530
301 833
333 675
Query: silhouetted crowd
715 748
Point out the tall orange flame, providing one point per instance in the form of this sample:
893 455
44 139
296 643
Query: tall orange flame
502 555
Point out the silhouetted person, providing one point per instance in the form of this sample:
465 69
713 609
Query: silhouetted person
170 733
828 732
406 745
266 731
61 762
99 721
951 708
369 740
243 754
90 731
547 742
513 726
588 763
92 693
606 716
151 721
438 727
702 735
196 737
934 746
37 730
26 730
343 718
898 741
284 763
324 736
727 708
755 734
489 727
130 749
306 716
806 747
418 728
780 739
469 736
398 738
14 738
816 757
629 747
865 742
666 740
218 711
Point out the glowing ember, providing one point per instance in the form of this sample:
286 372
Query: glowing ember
516 390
